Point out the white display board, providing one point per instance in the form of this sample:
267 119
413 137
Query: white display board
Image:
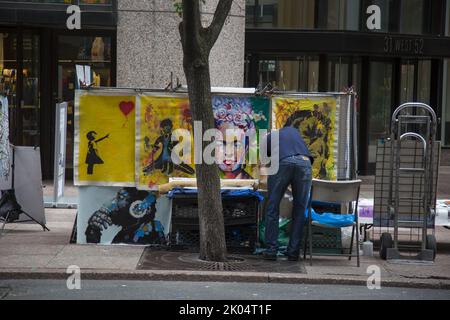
58 200
60 151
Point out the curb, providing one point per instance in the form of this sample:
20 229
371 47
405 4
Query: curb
201 276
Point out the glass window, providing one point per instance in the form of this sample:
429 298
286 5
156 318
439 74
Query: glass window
407 82
303 14
448 19
343 72
424 81
266 13
300 74
250 12
412 14
446 104
338 73
85 51
296 14
379 105
8 74
400 16
30 108
338 14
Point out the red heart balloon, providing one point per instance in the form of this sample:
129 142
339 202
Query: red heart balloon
126 107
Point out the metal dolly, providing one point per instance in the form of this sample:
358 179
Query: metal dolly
422 119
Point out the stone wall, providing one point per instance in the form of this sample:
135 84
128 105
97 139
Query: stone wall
149 48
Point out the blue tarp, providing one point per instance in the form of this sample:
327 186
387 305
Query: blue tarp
238 193
335 220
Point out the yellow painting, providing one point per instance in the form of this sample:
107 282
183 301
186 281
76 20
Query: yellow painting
315 118
105 140
159 117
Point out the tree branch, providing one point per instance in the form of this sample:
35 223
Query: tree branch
191 24
220 15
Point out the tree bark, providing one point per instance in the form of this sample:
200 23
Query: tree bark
197 44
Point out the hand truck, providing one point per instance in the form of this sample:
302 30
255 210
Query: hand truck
416 124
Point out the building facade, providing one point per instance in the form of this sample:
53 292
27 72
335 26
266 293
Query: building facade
389 51
127 43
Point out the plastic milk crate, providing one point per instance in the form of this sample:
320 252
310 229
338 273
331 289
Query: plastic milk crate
240 217
325 240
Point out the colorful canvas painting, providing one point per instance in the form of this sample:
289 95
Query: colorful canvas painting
315 118
105 140
247 114
5 165
159 117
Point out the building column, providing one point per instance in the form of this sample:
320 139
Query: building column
149 47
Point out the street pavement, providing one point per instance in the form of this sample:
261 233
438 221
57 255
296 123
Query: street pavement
27 252
167 290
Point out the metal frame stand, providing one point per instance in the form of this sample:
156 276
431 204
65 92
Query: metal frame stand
5 220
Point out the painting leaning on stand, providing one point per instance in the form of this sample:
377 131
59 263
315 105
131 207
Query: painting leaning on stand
294 170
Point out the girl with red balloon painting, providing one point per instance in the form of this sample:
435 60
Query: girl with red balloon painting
93 157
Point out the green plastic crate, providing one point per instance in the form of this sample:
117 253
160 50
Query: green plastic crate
325 240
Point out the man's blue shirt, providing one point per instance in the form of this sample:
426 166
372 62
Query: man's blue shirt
291 144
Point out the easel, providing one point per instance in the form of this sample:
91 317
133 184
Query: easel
13 207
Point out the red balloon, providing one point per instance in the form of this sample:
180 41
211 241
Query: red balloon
126 107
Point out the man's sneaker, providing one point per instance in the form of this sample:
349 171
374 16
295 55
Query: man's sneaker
270 256
293 258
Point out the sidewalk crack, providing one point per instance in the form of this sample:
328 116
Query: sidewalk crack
56 254
4 292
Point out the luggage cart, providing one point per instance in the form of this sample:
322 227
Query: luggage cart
415 123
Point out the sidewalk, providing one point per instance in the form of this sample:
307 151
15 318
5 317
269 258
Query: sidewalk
29 253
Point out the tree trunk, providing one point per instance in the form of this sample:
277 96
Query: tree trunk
197 44
212 231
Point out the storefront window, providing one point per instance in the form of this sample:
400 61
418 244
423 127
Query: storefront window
21 86
446 104
8 74
300 74
379 105
424 81
30 109
83 51
338 73
407 81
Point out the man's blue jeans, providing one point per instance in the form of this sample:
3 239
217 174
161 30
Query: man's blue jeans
295 171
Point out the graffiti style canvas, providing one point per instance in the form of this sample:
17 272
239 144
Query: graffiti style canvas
110 215
245 113
105 140
159 117
5 163
316 119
